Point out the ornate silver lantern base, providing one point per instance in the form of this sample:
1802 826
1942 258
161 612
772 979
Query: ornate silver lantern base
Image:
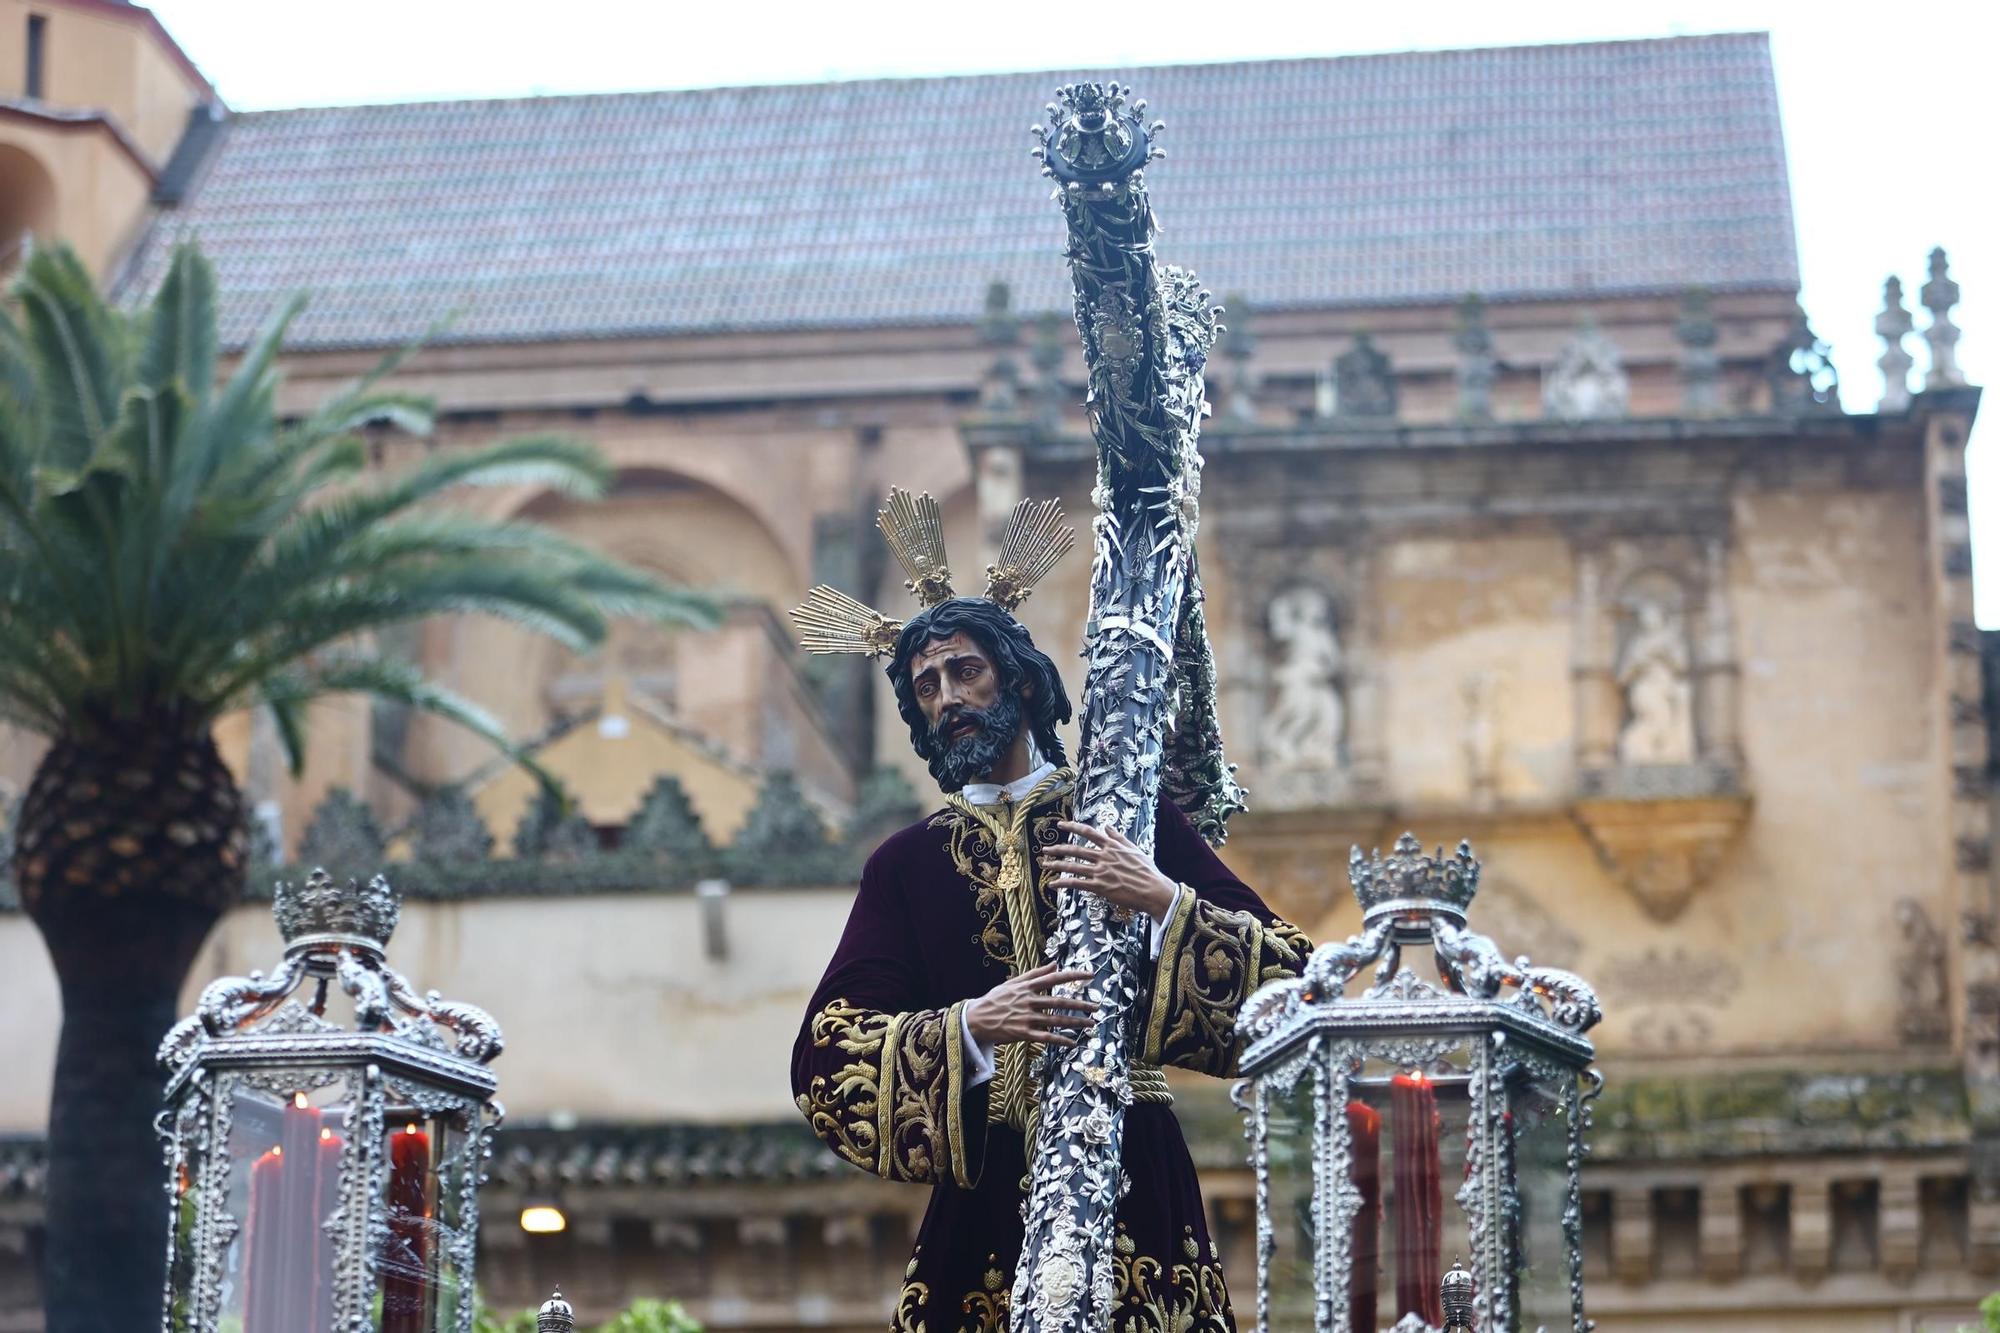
325 1173
1365 1114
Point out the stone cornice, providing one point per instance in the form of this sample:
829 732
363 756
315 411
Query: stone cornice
1229 439
58 121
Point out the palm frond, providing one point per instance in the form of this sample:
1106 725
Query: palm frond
78 350
181 340
394 681
169 548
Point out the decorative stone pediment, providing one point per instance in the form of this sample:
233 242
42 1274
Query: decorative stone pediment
1662 830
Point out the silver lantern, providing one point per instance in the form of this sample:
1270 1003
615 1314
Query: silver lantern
326 1130
1369 1114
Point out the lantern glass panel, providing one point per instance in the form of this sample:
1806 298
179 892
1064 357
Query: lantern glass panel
422 1194
1291 1201
1540 1119
187 1212
1408 1133
286 1150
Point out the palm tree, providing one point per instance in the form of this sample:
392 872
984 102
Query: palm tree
171 549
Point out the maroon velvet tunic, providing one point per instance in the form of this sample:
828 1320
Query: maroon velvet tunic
949 908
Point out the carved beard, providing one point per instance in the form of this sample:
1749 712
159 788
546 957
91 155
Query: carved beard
970 758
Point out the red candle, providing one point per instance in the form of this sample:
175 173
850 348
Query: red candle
1364 1129
406 1262
261 1244
1419 1199
297 1235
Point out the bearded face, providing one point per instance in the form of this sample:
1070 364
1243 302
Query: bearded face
965 743
976 694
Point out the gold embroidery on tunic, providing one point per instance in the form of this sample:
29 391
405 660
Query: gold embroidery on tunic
994 847
1150 1296
891 1109
1210 963
910 1304
844 1112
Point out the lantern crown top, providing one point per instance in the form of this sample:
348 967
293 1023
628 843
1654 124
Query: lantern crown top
1411 881
556 1316
322 910
336 935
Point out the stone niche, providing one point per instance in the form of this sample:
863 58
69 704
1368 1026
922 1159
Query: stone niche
1660 785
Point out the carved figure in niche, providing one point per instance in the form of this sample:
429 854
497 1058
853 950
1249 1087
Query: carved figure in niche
1920 975
1364 383
1307 722
1587 381
1653 672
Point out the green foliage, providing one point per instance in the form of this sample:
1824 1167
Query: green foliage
885 803
343 836
783 840
557 853
172 548
554 830
644 1316
448 829
667 829
1989 1316
485 1321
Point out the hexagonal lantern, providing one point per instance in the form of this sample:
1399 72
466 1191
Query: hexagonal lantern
1370 1115
326 1130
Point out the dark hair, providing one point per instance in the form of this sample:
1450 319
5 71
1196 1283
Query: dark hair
1015 658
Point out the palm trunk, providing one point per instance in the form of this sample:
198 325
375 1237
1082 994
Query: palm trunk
130 846
107 1213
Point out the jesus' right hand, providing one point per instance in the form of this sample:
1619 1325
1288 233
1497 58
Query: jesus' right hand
1021 1008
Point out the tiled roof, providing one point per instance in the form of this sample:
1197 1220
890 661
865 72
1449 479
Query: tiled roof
1514 172
541 1158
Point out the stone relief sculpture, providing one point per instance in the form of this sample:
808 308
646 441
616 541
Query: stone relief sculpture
1654 675
1587 381
1924 1009
1364 382
1478 367
1307 721
1482 737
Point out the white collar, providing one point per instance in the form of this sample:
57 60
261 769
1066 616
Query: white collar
991 793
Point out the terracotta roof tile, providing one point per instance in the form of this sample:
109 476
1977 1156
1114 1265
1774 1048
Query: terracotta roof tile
1515 172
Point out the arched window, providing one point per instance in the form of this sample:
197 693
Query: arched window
27 203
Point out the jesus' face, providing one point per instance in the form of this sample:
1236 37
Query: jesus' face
974 714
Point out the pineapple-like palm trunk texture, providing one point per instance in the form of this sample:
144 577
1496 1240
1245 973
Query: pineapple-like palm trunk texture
130 846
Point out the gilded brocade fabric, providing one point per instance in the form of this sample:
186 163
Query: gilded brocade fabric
947 909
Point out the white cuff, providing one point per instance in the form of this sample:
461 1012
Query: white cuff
1160 922
979 1059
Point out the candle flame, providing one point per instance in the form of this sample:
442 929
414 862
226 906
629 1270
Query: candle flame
325 1134
277 1152
410 1128
299 1100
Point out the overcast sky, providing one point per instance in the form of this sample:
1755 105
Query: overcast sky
1890 113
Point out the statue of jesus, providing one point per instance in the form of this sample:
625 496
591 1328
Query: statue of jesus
916 1056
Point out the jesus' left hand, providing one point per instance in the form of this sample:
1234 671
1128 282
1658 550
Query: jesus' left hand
1109 864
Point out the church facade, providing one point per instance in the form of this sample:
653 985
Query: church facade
1533 514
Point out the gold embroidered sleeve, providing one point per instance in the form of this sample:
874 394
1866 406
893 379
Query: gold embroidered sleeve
1212 960
888 1093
